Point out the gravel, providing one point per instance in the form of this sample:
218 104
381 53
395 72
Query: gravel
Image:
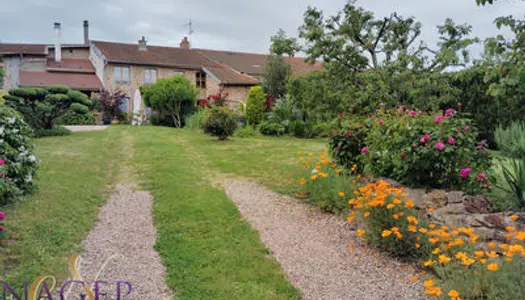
77 128
125 227
320 253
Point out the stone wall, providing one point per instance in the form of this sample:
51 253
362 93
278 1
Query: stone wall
237 94
68 53
456 209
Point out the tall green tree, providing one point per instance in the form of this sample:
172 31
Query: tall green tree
173 97
275 74
282 44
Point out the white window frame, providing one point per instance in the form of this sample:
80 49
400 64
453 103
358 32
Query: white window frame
150 76
118 74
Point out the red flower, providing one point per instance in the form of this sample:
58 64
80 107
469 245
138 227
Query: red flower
2 215
2 162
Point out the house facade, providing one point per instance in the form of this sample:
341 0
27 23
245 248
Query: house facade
96 65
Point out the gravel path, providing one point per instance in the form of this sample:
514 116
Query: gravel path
320 253
125 227
77 128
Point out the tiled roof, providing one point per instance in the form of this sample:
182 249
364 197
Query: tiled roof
36 49
253 64
77 81
228 76
70 65
154 55
228 67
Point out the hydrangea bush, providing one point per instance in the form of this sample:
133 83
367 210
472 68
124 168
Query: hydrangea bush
18 163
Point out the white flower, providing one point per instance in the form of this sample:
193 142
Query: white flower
32 158
314 171
11 120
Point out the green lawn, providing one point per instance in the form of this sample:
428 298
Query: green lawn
209 250
74 179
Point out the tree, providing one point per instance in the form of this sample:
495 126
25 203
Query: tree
281 44
40 107
255 106
276 72
174 97
354 40
109 103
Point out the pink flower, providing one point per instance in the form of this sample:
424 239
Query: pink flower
425 138
381 122
364 150
381 104
414 145
449 113
1 228
412 113
440 146
2 215
439 119
2 162
400 107
451 140
465 173
403 155
481 177
459 104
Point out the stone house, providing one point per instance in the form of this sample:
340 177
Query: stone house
95 65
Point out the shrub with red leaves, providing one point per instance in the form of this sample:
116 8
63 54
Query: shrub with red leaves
218 99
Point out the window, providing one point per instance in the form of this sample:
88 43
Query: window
150 76
178 73
201 80
121 75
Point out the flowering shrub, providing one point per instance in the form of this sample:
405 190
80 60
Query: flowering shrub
326 184
462 266
438 151
218 99
390 221
18 163
347 143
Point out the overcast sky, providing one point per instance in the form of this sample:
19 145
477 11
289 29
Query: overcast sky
218 24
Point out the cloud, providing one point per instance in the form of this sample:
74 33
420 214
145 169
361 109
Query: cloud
227 24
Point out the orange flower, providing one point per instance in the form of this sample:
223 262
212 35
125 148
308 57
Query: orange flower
510 228
514 218
436 251
366 214
429 283
341 194
314 177
299 153
423 230
302 181
410 204
432 226
418 246
350 219
453 294
412 228
491 254
444 259
493 267
520 235
360 232
386 233
390 206
492 245
414 278
311 155
431 210
429 263
398 235
412 219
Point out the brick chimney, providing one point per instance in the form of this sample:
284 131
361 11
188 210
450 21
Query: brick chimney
58 46
86 32
185 44
143 45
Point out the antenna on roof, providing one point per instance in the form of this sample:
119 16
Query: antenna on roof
190 28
